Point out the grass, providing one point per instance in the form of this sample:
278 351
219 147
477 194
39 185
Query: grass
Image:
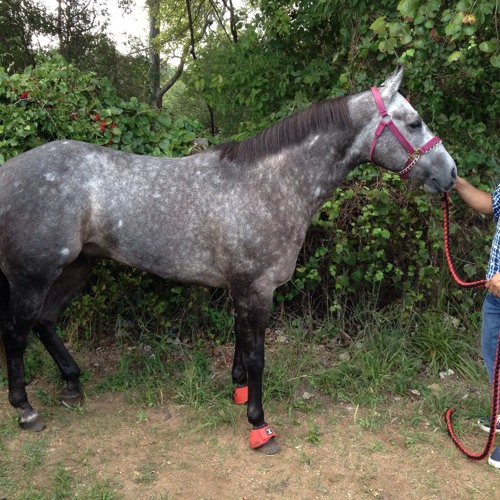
62 482
147 473
388 358
34 452
390 355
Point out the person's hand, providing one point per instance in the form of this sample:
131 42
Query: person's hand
459 182
493 285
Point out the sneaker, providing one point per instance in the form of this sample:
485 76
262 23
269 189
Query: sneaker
494 458
484 423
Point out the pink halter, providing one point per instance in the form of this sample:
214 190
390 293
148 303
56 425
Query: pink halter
414 154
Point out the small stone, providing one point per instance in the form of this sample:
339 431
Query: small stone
447 373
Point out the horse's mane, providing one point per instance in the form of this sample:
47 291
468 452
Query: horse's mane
290 131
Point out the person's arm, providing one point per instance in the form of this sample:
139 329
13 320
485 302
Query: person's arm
480 201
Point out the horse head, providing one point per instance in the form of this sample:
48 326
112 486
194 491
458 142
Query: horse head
401 142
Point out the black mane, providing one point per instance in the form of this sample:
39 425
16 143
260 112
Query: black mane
290 131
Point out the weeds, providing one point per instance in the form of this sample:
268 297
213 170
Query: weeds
197 388
441 346
314 434
34 452
146 473
304 456
62 482
102 490
391 356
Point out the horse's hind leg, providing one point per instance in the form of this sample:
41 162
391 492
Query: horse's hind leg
61 292
4 309
26 302
70 371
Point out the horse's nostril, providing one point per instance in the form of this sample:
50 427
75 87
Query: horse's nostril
454 174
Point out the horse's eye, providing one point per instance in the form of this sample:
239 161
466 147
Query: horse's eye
415 125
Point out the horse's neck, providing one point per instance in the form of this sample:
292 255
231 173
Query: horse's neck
317 166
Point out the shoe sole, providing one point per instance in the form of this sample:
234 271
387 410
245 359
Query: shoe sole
485 429
494 463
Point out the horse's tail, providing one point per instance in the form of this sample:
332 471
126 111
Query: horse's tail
4 306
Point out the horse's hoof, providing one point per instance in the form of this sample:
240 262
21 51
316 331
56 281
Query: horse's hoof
70 400
34 424
269 448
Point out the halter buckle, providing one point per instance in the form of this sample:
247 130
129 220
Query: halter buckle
415 154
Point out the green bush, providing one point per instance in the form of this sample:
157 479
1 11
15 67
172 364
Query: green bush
57 101
375 236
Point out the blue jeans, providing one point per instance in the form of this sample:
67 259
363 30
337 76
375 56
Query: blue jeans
489 332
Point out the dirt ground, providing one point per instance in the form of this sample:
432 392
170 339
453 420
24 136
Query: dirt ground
162 453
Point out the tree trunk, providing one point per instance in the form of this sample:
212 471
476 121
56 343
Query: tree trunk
60 27
193 54
155 98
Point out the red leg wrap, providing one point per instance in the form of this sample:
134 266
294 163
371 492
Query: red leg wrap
261 436
241 395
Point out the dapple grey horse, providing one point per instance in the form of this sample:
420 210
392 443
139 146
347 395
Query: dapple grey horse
234 216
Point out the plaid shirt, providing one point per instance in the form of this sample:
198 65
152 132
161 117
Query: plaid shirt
494 262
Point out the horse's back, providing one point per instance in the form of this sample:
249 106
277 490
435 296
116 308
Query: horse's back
68 197
197 219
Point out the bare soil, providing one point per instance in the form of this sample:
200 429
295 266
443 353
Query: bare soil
112 449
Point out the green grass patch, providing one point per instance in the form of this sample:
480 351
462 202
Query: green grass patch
391 354
388 371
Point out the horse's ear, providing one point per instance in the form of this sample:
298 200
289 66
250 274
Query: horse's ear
392 83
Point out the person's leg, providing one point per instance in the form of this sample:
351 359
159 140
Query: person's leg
489 332
489 340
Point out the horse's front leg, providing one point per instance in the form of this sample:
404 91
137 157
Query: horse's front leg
239 373
252 315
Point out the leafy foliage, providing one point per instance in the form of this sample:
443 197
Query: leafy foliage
20 20
56 101
374 236
78 29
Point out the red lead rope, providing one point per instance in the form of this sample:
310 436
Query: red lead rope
446 231
496 376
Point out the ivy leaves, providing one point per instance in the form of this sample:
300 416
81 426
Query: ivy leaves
459 29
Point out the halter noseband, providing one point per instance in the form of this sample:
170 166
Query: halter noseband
414 154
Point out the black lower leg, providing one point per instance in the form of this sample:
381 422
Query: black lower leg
250 328
70 371
239 372
252 313
15 345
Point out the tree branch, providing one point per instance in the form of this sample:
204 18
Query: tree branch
232 22
220 19
191 29
175 77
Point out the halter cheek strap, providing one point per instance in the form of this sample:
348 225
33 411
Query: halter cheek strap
414 154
